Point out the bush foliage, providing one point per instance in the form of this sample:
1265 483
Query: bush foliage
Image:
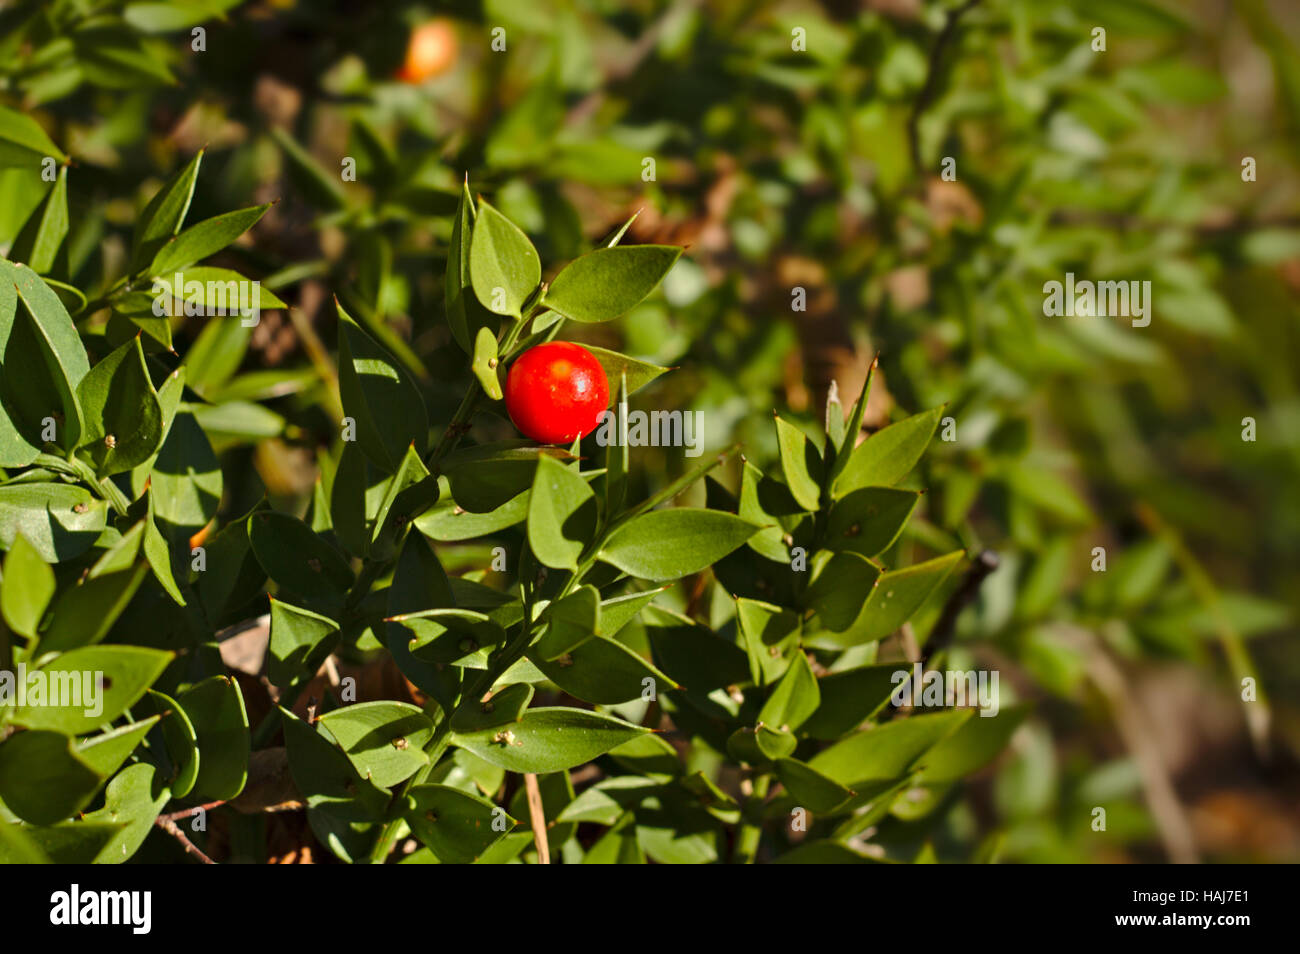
342 612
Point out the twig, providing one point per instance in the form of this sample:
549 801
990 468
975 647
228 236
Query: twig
169 826
537 815
1258 714
1167 811
984 564
932 80
187 812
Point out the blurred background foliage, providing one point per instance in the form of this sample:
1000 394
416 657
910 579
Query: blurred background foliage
817 169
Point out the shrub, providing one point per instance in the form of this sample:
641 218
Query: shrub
112 487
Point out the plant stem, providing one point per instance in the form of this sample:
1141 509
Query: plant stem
751 829
437 745
509 655
457 427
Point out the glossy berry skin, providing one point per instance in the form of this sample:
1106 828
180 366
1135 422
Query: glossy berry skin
555 392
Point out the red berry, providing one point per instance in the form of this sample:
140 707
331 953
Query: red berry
556 392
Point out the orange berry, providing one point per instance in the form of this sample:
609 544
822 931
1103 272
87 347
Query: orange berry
431 52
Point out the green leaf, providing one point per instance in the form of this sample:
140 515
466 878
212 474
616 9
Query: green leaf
215 292
503 265
809 788
17 847
240 421
127 671
868 521
326 777
73 299
485 477
572 620
621 610
73 843
649 755
886 752
152 17
418 582
549 740
185 481
320 187
693 655
34 324
216 355
609 282
618 846
800 464
169 399
464 314
457 827
687 479
27 588
836 595
215 706
300 641
298 559
158 553
411 491
771 638
123 419
506 705
617 455
561 515
83 613
205 238
795 698
121 555
133 800
59 520
889 455
897 596
106 752
448 521
42 235
452 636
970 748
163 216
111 55
485 363
181 742
603 672
667 544
42 780
848 698
23 142
380 396
852 428
760 744
384 740
639 373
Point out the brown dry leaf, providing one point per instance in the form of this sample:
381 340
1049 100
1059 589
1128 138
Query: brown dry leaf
246 651
908 287
951 202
